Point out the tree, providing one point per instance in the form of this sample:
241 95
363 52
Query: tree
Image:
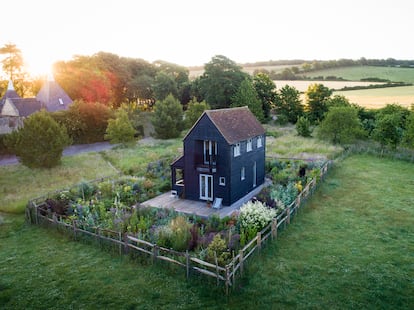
221 80
288 103
247 96
194 111
341 125
408 138
120 129
387 130
168 118
303 127
13 62
85 122
40 142
338 101
164 85
317 96
266 90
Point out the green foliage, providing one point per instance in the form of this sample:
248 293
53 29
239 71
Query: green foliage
120 129
168 118
164 85
408 138
341 125
317 96
218 249
285 194
289 104
40 143
338 101
387 130
266 91
247 96
194 111
221 79
85 122
303 127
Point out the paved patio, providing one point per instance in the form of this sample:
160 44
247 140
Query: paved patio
167 200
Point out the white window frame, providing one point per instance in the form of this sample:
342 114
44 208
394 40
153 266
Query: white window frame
222 181
236 150
249 145
243 173
259 141
209 148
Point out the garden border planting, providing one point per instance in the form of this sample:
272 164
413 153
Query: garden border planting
38 212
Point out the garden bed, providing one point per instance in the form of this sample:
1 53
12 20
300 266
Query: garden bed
109 210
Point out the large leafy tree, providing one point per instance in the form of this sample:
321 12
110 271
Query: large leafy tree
317 96
341 125
13 62
266 90
288 103
40 142
221 80
164 85
408 137
247 96
168 118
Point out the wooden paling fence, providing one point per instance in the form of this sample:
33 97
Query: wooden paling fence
37 213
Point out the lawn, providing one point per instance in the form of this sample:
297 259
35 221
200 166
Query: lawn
350 247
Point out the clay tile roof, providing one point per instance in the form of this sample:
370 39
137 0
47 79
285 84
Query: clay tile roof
236 124
27 106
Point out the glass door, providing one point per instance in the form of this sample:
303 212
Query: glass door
206 187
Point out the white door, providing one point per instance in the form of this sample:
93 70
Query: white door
206 187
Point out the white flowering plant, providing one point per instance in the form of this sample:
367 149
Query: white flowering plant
255 216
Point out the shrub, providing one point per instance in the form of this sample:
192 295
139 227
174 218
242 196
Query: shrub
120 130
40 142
194 111
285 194
255 215
303 127
218 248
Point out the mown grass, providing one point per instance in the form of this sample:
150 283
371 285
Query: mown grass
351 247
18 184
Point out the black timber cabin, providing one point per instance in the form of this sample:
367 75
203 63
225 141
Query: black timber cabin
224 157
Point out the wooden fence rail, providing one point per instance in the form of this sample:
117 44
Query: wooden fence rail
37 213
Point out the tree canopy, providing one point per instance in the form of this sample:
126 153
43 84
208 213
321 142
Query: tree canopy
317 96
168 118
221 80
246 95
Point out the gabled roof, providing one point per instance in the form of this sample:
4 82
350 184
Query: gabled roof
26 106
10 93
234 124
53 97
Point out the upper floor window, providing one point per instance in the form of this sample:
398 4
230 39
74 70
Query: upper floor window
249 145
210 152
236 149
259 141
243 173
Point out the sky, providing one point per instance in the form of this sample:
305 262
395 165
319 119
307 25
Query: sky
191 32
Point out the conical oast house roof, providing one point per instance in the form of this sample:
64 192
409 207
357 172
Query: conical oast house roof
10 93
53 97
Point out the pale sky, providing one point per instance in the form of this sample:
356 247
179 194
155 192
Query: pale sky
191 32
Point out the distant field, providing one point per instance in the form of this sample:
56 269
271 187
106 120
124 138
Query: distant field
360 72
302 86
197 71
377 98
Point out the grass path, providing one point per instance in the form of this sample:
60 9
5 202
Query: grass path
351 247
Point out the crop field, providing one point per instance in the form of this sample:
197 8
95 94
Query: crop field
362 72
379 97
302 86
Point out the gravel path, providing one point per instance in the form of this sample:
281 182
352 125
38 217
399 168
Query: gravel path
6 160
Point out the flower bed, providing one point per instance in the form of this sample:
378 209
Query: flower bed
113 205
